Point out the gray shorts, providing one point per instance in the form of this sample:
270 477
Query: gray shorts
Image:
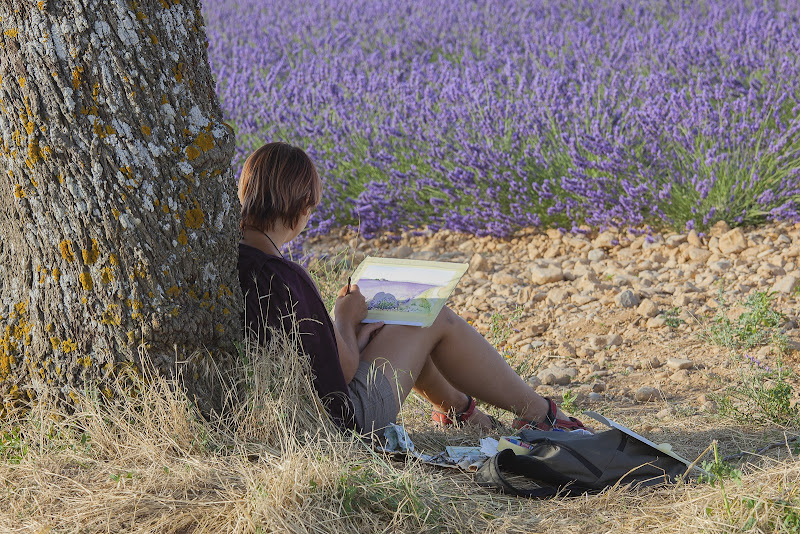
373 398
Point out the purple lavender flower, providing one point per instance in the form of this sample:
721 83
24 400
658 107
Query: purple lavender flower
485 117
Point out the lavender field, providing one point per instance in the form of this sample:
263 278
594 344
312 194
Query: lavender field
489 116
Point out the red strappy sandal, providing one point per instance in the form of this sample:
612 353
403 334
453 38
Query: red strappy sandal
550 422
445 419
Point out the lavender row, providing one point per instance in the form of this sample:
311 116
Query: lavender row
488 116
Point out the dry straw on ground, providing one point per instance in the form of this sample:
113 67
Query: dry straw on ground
271 463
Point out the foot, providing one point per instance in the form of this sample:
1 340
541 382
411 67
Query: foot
471 415
480 419
555 419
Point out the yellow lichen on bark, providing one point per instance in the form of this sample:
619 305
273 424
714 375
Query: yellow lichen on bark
17 331
106 275
205 141
112 315
86 281
66 250
194 218
90 255
34 154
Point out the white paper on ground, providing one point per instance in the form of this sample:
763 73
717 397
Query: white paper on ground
466 458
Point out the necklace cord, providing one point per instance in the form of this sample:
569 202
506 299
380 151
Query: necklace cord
270 240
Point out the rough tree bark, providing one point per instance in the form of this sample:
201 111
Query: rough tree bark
117 203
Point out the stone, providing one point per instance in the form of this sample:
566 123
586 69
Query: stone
601 342
604 240
647 394
656 322
557 376
479 263
581 299
566 350
598 386
721 266
467 246
523 296
534 382
693 239
403 251
679 363
665 412
626 299
505 279
698 254
596 254
546 274
732 242
681 300
767 270
647 308
675 240
719 228
594 397
537 329
680 377
557 295
786 284
648 362
588 283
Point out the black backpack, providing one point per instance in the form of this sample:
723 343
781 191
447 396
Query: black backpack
572 463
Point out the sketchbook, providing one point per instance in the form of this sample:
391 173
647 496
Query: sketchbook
409 292
666 448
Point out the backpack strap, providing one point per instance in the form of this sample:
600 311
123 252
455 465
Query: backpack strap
491 475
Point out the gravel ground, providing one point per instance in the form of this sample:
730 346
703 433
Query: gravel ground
618 322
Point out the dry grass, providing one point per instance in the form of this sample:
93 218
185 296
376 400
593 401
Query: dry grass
150 462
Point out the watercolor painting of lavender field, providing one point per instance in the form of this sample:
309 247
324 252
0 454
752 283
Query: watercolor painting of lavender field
410 292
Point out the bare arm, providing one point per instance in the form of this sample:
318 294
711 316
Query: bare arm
351 335
348 348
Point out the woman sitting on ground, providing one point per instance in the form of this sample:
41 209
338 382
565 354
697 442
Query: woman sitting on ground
363 372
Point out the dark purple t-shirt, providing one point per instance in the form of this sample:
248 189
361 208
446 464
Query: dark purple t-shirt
281 292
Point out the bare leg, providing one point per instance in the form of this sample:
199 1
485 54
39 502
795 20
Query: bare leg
435 388
464 358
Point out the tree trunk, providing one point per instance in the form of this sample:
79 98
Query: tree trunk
118 208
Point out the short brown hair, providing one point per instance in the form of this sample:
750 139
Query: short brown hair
278 182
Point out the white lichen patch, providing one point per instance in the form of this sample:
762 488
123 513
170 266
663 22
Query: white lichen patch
209 272
185 168
219 131
174 22
67 98
156 150
126 26
168 113
196 120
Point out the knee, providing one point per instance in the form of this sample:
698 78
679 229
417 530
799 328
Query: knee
447 317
